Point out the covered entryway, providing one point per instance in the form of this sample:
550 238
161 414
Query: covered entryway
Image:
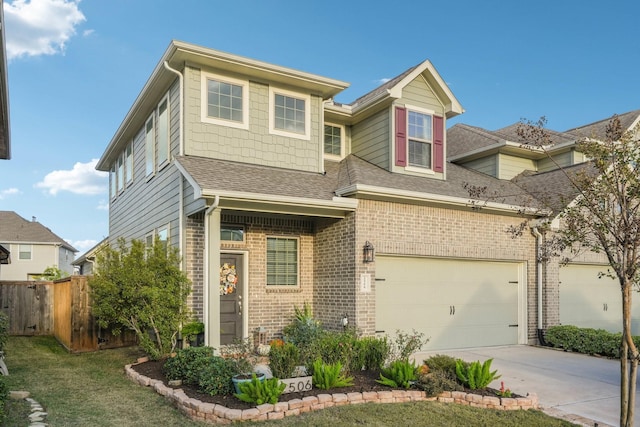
455 303
590 301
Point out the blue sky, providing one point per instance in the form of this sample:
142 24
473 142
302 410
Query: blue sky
75 68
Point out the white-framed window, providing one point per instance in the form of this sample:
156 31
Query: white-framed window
24 252
225 101
162 130
289 113
120 173
128 165
150 149
163 235
420 138
113 181
232 233
333 140
282 261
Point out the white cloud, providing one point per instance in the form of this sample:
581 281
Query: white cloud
9 192
83 179
40 27
103 205
381 81
82 245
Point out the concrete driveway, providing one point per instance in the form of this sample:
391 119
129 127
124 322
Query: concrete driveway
582 389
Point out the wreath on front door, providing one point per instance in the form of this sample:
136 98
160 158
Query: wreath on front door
228 279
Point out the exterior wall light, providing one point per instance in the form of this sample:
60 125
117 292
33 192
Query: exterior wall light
367 252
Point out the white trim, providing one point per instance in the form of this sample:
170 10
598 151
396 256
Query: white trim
273 91
151 118
204 104
162 164
342 142
424 111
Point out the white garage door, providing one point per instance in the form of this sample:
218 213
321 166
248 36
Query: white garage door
589 301
455 303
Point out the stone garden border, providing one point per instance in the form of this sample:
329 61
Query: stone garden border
218 414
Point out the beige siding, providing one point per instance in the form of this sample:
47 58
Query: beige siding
487 165
42 256
253 145
370 139
510 166
560 160
149 202
419 94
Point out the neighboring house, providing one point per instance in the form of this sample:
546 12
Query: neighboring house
5 134
277 195
574 294
85 264
33 247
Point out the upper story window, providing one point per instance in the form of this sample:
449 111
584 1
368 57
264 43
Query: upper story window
282 261
290 115
150 149
225 101
120 173
333 140
24 252
128 165
419 126
162 124
113 181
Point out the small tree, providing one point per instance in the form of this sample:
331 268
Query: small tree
52 273
143 289
599 209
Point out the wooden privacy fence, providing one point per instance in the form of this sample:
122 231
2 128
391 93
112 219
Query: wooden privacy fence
62 309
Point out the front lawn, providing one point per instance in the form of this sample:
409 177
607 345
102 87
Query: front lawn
91 389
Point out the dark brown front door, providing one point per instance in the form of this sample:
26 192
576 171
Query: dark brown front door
231 298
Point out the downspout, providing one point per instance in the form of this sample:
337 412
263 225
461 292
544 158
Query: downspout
538 235
207 268
180 152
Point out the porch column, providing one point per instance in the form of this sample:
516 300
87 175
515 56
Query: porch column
212 285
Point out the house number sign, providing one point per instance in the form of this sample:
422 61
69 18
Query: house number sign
294 385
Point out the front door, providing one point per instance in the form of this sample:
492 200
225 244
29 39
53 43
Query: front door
231 298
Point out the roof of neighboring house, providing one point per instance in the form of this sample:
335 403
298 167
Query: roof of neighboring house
90 253
14 228
598 129
553 189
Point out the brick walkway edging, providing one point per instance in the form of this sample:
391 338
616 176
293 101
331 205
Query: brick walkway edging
218 414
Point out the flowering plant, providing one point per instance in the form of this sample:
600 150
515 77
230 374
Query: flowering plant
503 392
228 279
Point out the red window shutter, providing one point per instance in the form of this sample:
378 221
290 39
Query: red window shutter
438 144
401 136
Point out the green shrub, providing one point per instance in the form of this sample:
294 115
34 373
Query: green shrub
191 330
187 364
214 378
4 330
260 392
4 395
435 382
334 347
283 359
586 340
400 373
443 363
327 376
405 344
304 328
476 375
373 352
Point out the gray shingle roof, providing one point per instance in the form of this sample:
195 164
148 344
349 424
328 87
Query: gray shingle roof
598 129
462 138
382 88
14 228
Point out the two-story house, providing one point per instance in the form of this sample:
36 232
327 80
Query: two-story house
277 195
33 248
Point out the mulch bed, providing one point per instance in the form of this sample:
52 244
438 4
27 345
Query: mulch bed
363 381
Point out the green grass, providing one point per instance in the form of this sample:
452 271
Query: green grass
91 389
